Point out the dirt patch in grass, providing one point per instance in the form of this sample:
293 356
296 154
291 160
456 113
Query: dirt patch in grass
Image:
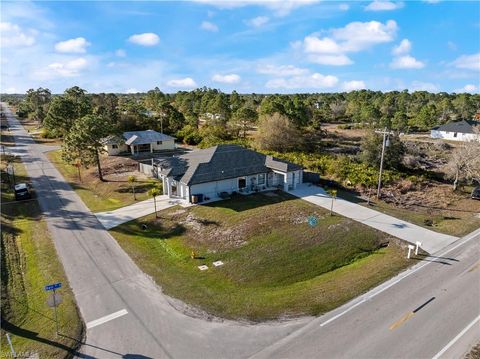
115 191
275 264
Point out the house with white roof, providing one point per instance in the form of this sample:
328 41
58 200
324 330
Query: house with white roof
136 142
464 130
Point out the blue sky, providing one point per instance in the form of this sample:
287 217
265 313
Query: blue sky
245 45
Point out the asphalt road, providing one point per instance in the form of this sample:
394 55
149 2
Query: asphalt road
414 315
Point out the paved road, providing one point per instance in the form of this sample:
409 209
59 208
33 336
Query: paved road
128 316
432 242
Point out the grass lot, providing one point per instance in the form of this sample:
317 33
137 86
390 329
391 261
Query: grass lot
28 262
276 265
97 195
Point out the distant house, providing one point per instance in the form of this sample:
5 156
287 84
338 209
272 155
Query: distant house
137 142
218 171
464 130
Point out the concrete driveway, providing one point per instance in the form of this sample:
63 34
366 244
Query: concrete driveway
114 218
432 242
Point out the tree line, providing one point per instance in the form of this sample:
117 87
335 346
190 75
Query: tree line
207 117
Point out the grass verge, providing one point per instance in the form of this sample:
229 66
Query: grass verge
275 264
29 262
97 195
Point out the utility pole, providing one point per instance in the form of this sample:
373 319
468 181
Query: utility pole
385 143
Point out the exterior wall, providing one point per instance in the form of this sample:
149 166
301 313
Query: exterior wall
465 137
166 145
115 151
212 189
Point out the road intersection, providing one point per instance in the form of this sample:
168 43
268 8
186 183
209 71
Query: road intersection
128 316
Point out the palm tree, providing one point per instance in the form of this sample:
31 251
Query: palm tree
132 180
154 192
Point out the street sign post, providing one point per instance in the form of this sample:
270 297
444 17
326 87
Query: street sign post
54 300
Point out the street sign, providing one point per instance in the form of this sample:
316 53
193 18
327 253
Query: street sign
53 286
54 300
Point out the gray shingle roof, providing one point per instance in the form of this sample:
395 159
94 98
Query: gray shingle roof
220 162
463 126
144 137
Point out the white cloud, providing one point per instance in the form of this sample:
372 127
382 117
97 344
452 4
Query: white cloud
357 36
258 21
353 85
379 5
13 35
315 80
209 26
406 62
469 62
423 86
403 48
354 37
333 60
317 45
278 7
467 88
121 53
132 90
75 46
226 79
66 68
344 7
282 70
145 39
186 82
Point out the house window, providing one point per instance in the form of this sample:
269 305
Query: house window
454 134
261 178
159 142
114 147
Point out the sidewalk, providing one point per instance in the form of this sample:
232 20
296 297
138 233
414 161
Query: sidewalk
114 218
432 241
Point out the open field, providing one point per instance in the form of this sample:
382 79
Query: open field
275 264
111 194
28 263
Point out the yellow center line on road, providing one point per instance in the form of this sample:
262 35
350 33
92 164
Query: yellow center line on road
475 266
401 320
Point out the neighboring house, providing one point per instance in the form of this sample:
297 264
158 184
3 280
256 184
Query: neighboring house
464 130
218 171
137 142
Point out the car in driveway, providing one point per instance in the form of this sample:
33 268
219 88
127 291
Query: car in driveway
22 192
476 193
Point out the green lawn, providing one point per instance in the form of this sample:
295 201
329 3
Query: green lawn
275 264
29 262
97 195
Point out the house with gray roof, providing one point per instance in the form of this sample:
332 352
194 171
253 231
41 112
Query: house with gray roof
218 171
136 142
464 130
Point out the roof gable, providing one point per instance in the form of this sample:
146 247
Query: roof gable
463 126
145 137
220 162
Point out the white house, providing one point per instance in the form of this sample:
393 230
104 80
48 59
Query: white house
218 171
136 142
464 130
